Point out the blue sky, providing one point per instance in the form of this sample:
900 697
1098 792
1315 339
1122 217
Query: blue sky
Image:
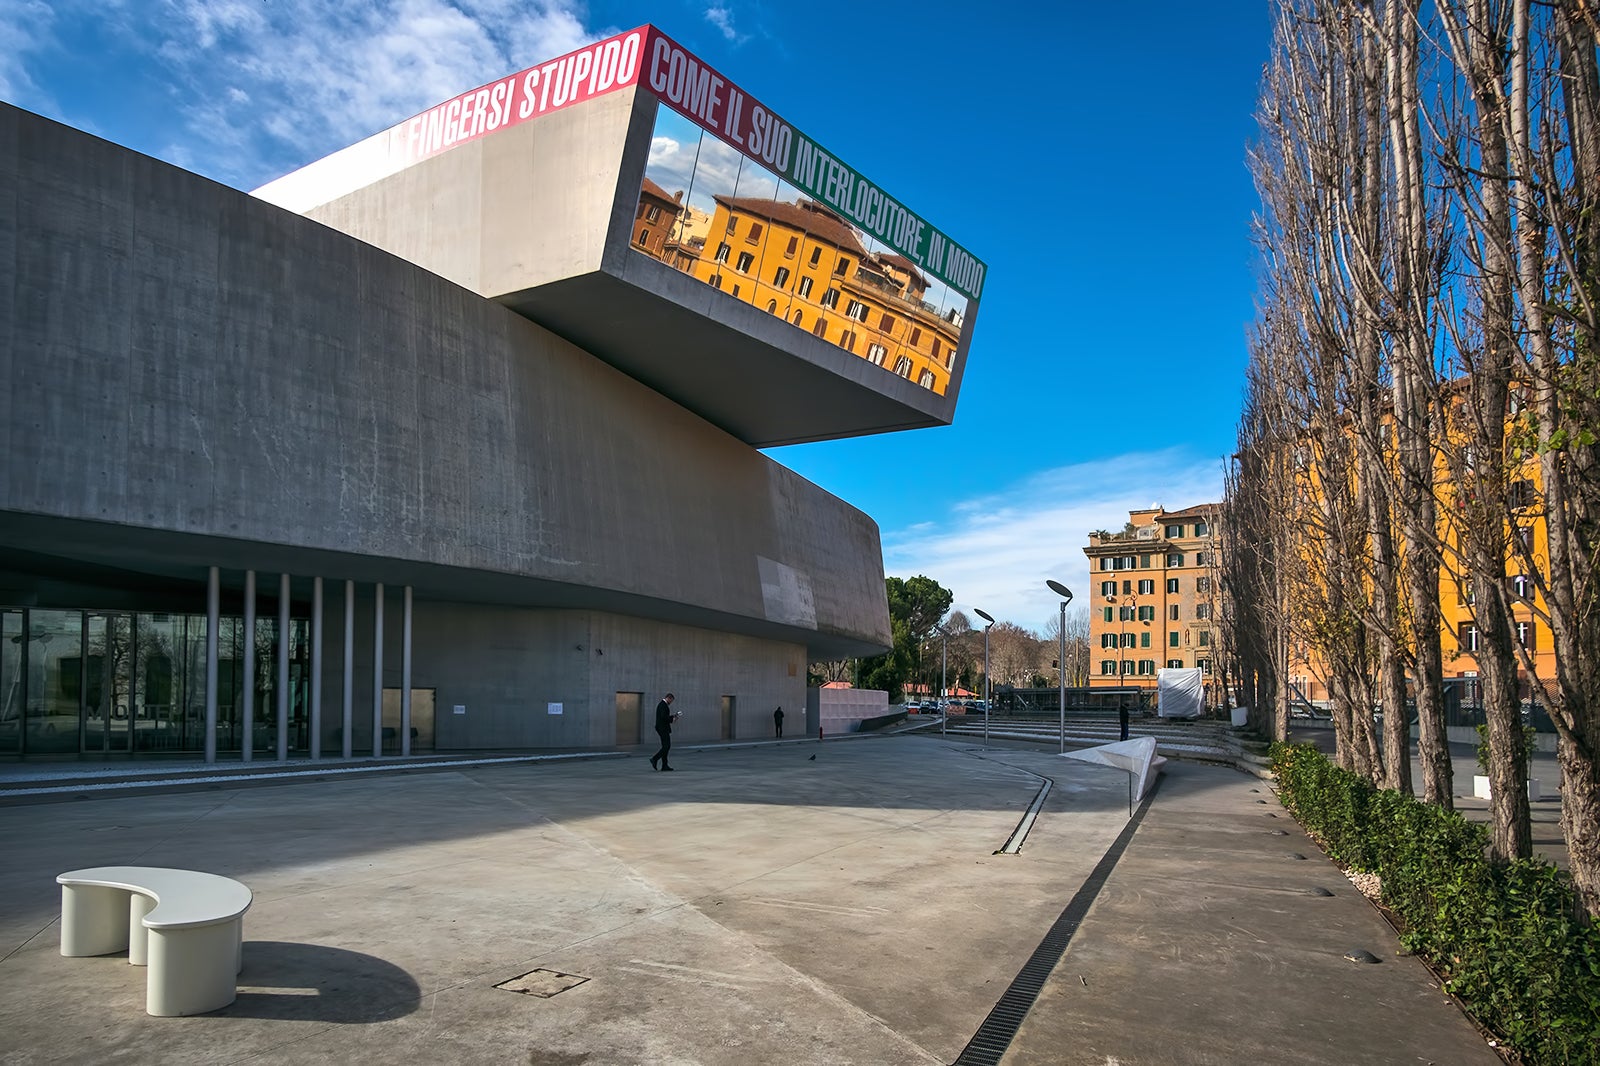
1091 154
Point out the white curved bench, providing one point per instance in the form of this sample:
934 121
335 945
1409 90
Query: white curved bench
188 927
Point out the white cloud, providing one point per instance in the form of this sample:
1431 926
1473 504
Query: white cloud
25 29
722 19
260 89
995 552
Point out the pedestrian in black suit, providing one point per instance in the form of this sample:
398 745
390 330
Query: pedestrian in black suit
664 719
777 721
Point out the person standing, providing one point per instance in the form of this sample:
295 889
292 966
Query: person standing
665 716
777 721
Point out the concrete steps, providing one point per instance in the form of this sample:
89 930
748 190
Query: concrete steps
1202 740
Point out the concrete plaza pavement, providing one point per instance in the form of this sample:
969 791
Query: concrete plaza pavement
757 906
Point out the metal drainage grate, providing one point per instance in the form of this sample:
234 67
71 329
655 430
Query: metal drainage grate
542 983
994 1036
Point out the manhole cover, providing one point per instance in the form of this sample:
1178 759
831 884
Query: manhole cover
542 983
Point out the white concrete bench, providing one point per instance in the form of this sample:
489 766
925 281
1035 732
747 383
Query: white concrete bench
187 927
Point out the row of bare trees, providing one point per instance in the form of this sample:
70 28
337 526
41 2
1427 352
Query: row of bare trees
1423 398
951 652
1017 656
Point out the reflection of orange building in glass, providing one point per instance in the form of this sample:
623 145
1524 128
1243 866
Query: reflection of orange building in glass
652 225
804 263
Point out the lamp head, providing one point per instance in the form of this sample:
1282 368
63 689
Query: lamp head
986 616
1060 590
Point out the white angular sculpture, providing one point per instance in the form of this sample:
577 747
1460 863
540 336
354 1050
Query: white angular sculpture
1136 758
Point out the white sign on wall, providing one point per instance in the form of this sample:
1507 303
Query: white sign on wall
555 708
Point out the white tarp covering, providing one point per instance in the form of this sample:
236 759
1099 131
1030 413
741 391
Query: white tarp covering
1180 693
1136 757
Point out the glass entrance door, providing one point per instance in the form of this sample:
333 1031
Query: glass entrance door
55 666
108 683
11 682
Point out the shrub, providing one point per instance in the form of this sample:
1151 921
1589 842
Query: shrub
1529 739
1509 940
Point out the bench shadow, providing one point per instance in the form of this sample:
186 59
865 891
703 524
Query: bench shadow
321 984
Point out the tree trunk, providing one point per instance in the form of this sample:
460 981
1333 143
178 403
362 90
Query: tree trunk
1481 36
1567 406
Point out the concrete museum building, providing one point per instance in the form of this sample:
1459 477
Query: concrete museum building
451 440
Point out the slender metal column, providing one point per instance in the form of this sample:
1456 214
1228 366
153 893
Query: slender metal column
283 667
405 679
83 691
213 647
23 675
944 677
377 671
988 691
247 706
1061 674
349 720
316 668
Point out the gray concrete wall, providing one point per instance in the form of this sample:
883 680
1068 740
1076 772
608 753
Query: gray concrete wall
178 357
527 206
505 666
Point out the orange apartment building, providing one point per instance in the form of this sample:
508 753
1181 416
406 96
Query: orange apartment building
1458 629
1155 596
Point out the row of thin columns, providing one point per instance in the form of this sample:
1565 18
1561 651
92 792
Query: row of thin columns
247 703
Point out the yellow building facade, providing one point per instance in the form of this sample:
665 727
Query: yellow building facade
1155 597
1458 635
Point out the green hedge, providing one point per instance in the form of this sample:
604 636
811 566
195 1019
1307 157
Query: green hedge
1508 938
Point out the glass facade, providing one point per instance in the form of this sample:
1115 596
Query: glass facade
732 223
134 683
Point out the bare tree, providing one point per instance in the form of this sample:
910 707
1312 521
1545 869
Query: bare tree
1318 169
1483 36
1415 248
1565 374
1528 167
1424 389
1015 654
832 670
1076 666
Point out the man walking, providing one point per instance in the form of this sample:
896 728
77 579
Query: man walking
777 721
664 719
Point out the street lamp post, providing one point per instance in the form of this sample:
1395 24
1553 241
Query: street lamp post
944 677
987 688
1061 664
